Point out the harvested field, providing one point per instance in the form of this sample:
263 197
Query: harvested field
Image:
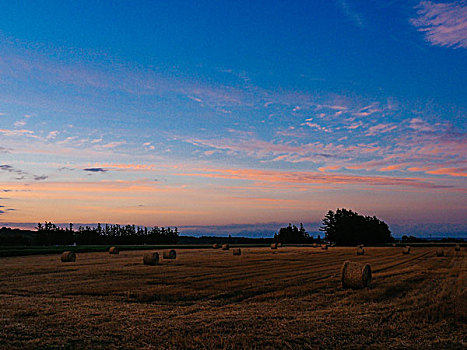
206 298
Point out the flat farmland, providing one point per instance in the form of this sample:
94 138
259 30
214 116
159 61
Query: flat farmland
206 298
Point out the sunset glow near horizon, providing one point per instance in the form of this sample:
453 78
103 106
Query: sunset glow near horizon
233 112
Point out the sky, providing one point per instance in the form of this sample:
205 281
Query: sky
234 113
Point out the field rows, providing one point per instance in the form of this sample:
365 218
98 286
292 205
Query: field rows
287 298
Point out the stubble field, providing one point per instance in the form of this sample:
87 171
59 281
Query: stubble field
289 298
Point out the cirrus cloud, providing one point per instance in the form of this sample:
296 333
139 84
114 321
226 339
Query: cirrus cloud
444 24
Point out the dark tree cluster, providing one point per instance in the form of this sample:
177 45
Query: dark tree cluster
346 227
13 236
292 234
51 234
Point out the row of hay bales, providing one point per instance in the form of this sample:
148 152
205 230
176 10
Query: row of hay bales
148 258
152 258
406 250
353 274
226 246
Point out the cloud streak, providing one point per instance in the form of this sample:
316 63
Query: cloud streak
443 24
310 178
95 170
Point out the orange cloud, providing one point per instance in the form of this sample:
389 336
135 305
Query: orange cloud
393 167
307 178
449 171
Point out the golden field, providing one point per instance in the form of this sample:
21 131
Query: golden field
286 298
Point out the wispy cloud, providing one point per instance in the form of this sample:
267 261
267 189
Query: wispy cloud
380 129
19 132
444 24
113 144
20 174
96 170
420 125
310 178
350 13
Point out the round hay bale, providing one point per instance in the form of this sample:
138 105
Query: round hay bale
355 275
394 245
406 250
279 245
274 246
439 252
458 247
360 245
215 246
169 254
68 256
324 247
237 251
360 251
114 250
315 245
151 258
225 247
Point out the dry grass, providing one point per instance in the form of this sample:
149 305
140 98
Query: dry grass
440 252
169 254
209 299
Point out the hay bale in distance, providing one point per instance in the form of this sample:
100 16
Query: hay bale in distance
355 275
169 254
324 246
215 246
394 245
315 245
360 251
151 258
406 250
237 251
458 247
439 252
68 256
279 245
114 250
274 246
225 247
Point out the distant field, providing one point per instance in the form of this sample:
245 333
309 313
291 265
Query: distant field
40 250
289 298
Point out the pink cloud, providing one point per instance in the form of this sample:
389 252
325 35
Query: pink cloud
420 125
380 129
444 24
449 171
309 178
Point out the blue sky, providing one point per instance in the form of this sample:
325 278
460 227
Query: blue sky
220 113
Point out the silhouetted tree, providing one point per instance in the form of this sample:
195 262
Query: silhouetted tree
346 227
291 234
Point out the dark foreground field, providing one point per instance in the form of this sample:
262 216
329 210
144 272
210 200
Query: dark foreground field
289 298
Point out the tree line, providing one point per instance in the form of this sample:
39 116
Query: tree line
343 227
51 234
